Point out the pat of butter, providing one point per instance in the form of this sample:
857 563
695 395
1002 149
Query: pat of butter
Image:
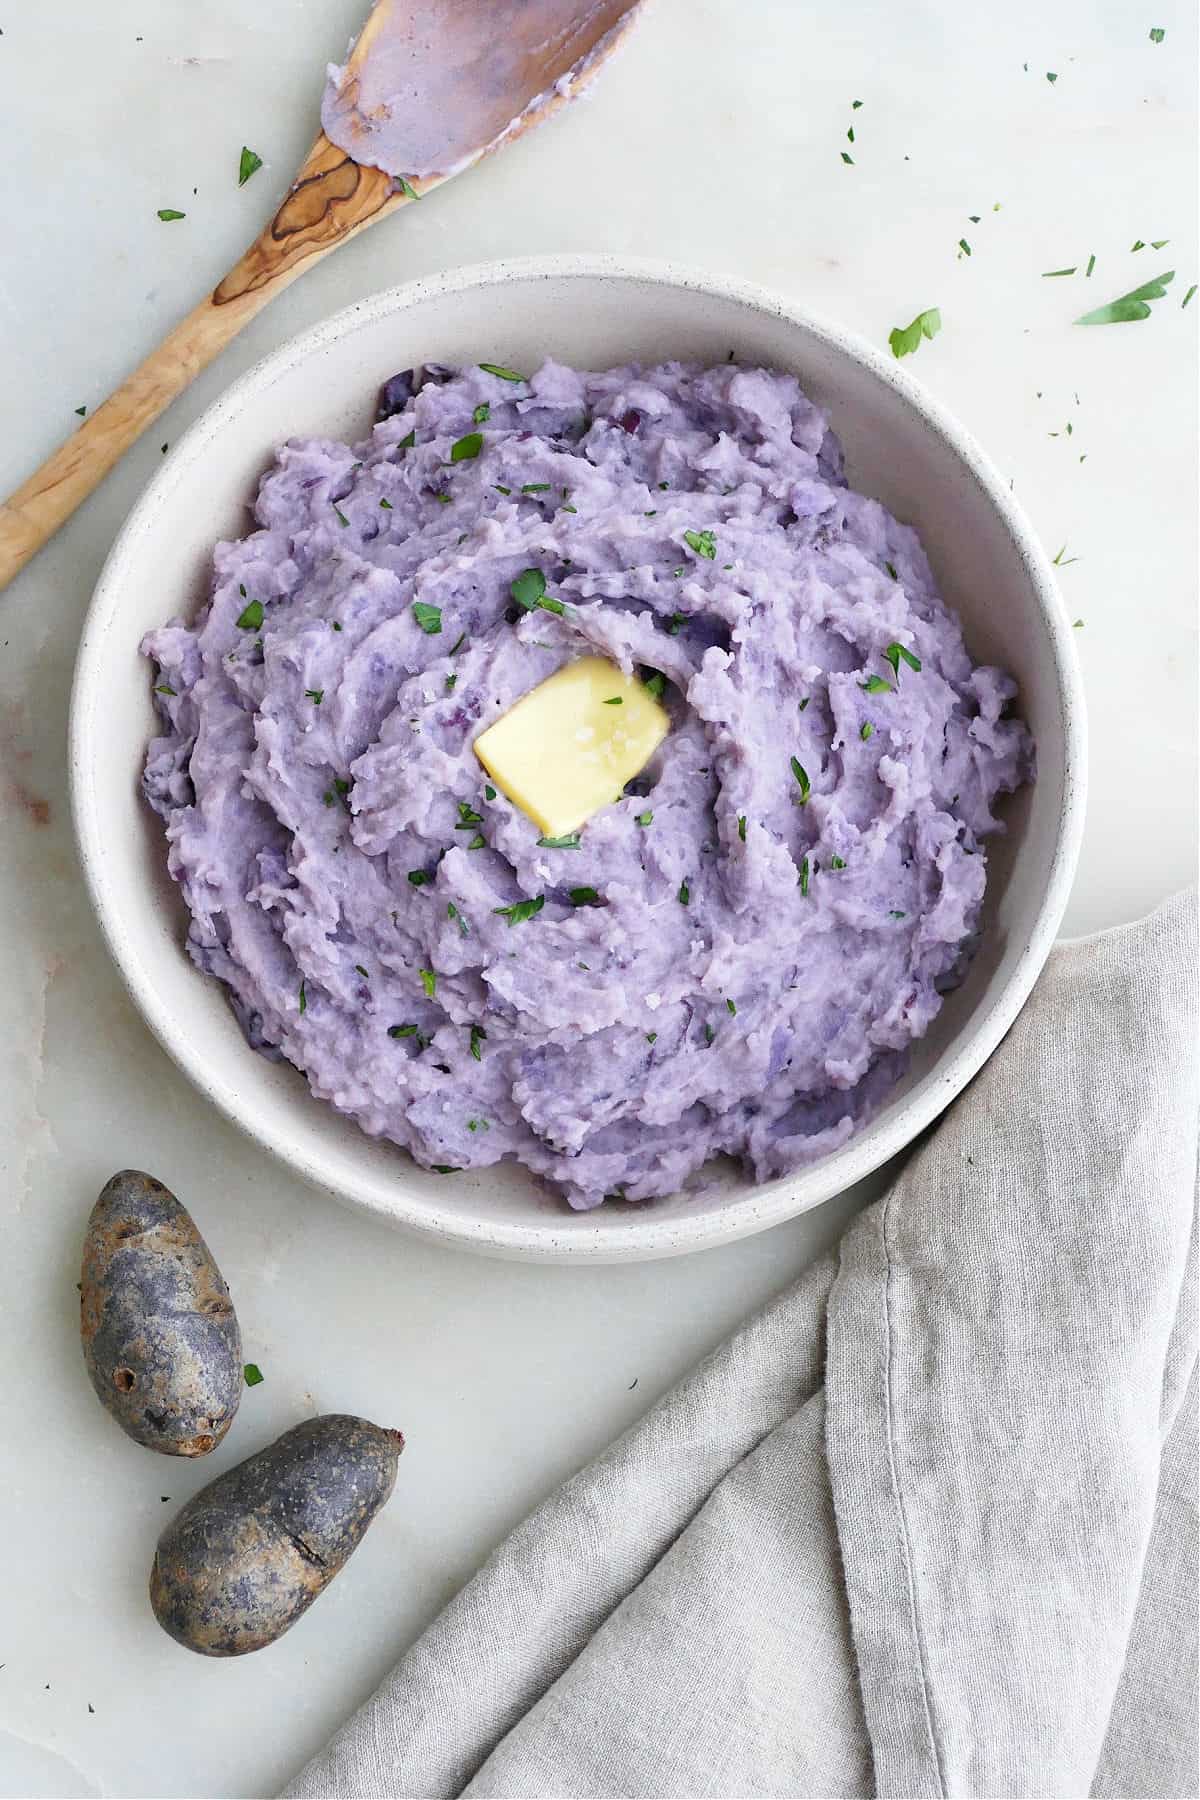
568 747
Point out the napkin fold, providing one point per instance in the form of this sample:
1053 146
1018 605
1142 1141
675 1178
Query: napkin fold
926 1525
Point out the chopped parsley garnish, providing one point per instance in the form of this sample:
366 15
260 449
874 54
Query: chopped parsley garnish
316 695
571 509
644 818
342 786
570 842
536 487
251 1373
429 618
406 188
903 340
527 588
359 970
164 687
502 490
1157 34
674 624
799 771
341 517
478 1037
337 626
897 653
615 701
387 505
443 499
251 616
458 643
866 730
1091 263
742 826
451 683
897 915
704 543
452 912
419 877
406 443
482 413
478 842
652 1037
684 895
503 373
732 1008
445 1169
835 862
891 569
467 816
399 1031
303 997
489 792
466 447
804 876
166 213
582 896
654 684
709 1034
1134 305
552 606
428 982
875 684
248 165
521 909
804 702
1049 274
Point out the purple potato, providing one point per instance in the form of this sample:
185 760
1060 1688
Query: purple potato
160 1336
239 1564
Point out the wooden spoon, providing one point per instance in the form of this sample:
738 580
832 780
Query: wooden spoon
489 71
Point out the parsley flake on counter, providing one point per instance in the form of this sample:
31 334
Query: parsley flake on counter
570 842
428 982
82 411
406 188
1052 274
466 447
964 246
847 158
684 895
1078 625
1051 77
801 774
249 164
164 687
1134 305
167 213
1091 263
503 373
1159 243
1139 245
252 1374
1187 296
704 543
482 413
316 695
903 340
866 730
582 896
897 653
875 684
251 616
520 909
854 105
429 618
478 1037
1157 34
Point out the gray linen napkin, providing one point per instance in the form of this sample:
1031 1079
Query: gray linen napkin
925 1526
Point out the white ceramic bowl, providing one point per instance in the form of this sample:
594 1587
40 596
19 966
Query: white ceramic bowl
595 312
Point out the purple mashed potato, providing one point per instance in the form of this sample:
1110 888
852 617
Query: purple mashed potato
762 923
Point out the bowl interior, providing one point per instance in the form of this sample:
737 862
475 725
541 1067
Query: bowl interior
590 314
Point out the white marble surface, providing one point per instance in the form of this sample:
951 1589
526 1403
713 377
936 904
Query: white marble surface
715 137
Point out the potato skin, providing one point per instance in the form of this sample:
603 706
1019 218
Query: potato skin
160 1336
250 1552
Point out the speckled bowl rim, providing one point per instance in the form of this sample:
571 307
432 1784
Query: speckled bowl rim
604 1236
